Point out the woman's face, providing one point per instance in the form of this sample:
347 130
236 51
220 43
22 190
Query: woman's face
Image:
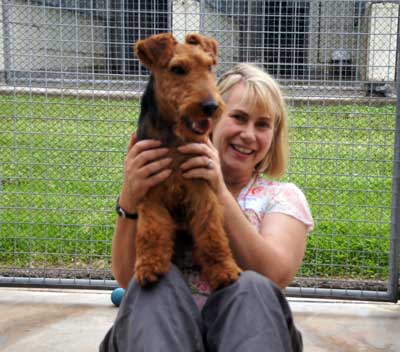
243 135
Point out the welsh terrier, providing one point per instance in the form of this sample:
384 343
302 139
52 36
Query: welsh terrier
179 104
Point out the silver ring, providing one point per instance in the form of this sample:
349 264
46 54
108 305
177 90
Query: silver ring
210 164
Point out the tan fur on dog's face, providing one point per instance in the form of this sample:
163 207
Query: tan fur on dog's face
184 81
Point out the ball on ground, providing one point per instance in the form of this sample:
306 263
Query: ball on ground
117 295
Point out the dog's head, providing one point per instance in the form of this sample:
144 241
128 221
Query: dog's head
184 82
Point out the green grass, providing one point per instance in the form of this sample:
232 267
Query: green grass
342 157
61 167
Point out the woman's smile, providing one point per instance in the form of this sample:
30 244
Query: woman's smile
242 150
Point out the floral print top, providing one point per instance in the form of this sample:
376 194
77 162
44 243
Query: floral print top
258 198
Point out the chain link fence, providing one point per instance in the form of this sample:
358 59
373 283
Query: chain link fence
69 95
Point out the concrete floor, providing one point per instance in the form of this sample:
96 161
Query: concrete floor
71 320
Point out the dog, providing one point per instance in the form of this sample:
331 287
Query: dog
179 105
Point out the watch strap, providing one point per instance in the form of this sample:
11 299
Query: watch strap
123 213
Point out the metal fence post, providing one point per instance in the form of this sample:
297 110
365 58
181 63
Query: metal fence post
6 41
395 218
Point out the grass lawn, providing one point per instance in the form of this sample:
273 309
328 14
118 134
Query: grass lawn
61 167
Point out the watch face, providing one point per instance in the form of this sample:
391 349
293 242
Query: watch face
123 214
120 212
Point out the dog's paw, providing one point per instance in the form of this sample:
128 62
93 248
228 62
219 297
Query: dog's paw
148 274
222 274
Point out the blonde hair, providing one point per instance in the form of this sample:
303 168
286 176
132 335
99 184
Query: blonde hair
261 90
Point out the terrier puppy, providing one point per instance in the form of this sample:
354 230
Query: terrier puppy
179 105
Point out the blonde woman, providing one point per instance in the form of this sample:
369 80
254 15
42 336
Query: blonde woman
267 223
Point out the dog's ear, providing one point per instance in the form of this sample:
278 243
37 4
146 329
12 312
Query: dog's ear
209 45
156 51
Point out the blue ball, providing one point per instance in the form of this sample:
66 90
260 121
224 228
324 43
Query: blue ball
117 295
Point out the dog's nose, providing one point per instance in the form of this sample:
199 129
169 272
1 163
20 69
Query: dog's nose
209 106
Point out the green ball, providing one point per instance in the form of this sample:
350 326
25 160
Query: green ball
117 295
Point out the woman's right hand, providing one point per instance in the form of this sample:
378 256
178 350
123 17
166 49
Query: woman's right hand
145 166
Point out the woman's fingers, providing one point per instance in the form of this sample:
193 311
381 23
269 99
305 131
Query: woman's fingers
210 144
145 166
158 177
196 148
197 162
205 164
132 141
154 167
199 173
150 155
144 145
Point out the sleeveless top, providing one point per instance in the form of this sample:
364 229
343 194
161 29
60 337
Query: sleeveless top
258 198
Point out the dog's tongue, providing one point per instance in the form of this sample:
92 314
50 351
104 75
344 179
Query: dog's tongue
201 126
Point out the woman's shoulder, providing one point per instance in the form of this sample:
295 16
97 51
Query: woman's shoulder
281 197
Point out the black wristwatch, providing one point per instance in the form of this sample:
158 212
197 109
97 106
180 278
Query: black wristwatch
124 214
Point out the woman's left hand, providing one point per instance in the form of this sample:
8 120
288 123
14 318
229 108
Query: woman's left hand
206 165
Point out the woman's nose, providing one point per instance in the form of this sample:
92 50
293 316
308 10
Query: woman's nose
248 133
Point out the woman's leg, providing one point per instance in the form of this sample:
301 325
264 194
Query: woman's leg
163 317
250 315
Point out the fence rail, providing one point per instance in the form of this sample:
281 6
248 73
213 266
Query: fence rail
69 94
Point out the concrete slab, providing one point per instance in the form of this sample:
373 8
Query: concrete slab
348 326
52 320
59 320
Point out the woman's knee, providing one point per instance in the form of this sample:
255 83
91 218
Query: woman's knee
171 285
250 280
173 275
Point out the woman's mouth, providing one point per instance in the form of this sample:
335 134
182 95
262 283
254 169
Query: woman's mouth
242 150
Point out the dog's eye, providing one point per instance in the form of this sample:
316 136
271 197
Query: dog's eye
178 70
210 68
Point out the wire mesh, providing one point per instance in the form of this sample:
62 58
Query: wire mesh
69 102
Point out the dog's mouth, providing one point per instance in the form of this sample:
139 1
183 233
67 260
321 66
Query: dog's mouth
199 126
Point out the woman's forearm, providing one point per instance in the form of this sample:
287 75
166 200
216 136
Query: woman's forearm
250 249
145 166
123 250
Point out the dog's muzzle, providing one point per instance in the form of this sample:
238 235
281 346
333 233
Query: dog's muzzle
208 107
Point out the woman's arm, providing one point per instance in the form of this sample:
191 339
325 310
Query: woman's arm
123 251
277 251
145 166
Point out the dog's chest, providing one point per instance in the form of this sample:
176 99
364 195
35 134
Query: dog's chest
178 192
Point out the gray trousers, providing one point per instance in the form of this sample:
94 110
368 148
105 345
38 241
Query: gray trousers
250 315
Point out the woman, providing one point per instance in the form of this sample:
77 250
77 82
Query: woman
267 223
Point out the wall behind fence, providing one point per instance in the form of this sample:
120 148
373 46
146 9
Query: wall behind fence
69 102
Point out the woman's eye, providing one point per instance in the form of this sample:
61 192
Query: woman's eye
263 124
238 118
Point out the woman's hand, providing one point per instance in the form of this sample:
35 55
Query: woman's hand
205 165
145 166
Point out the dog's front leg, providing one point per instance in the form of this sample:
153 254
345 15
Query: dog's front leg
211 242
154 242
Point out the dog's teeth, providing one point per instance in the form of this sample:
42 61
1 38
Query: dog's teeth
200 126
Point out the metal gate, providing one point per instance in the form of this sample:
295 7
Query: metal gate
69 94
